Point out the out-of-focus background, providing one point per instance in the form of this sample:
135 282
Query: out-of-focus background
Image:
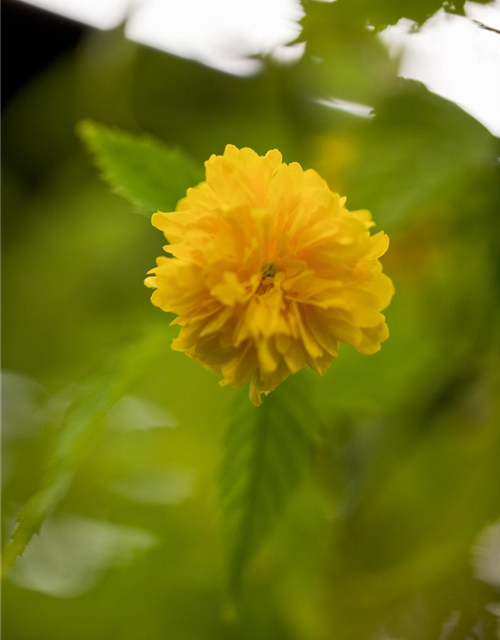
395 534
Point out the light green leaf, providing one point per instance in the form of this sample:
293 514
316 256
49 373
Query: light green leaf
266 451
82 425
150 175
71 553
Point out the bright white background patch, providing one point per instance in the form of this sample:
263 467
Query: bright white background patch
456 59
220 33
102 14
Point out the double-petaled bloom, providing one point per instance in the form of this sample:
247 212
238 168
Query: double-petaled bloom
269 272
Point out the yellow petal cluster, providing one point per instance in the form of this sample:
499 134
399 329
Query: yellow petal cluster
268 272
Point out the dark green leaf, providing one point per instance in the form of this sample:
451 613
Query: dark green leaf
267 449
420 150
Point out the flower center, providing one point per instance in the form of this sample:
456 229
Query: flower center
269 270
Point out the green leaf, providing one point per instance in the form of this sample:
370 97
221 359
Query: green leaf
150 175
82 425
418 152
381 14
266 451
332 34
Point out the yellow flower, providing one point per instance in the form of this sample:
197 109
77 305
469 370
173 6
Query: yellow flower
269 272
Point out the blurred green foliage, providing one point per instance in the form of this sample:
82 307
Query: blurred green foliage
387 525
